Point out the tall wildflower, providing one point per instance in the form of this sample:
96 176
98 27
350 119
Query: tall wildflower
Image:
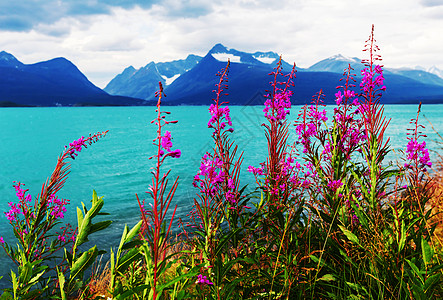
219 201
375 147
282 173
218 175
417 160
33 222
154 225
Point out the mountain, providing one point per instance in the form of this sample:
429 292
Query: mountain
436 71
143 83
249 80
336 64
419 75
8 60
56 82
248 84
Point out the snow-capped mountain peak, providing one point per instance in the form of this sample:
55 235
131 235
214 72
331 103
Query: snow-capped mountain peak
339 57
225 56
266 57
436 71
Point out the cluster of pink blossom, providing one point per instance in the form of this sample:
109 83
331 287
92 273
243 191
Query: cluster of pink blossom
210 178
309 125
334 185
21 207
166 143
289 176
347 94
76 146
68 234
57 207
12 214
418 151
256 171
202 279
212 173
231 195
372 80
278 107
21 193
219 117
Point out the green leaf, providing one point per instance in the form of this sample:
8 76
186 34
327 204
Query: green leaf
25 272
415 270
61 280
327 277
430 282
130 256
402 242
99 226
86 227
125 295
134 231
79 216
426 251
176 279
14 283
352 237
83 262
132 244
6 296
224 240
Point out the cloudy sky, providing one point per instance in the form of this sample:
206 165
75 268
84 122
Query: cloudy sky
102 37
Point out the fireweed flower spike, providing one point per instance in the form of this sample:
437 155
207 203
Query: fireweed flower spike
154 217
202 279
281 175
417 155
219 200
34 222
218 174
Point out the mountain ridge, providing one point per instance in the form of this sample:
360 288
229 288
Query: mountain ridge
195 86
191 81
55 82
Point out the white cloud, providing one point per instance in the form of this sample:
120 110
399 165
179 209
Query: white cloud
102 45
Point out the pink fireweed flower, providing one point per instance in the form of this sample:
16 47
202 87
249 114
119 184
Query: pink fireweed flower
255 171
418 151
218 114
372 80
76 146
57 206
176 153
279 106
212 173
334 185
203 280
2 241
166 143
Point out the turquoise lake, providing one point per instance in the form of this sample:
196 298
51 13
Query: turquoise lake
117 166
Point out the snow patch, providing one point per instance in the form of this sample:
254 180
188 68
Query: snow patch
340 57
265 59
224 57
436 71
169 80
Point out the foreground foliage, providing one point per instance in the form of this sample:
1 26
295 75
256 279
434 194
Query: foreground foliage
330 217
